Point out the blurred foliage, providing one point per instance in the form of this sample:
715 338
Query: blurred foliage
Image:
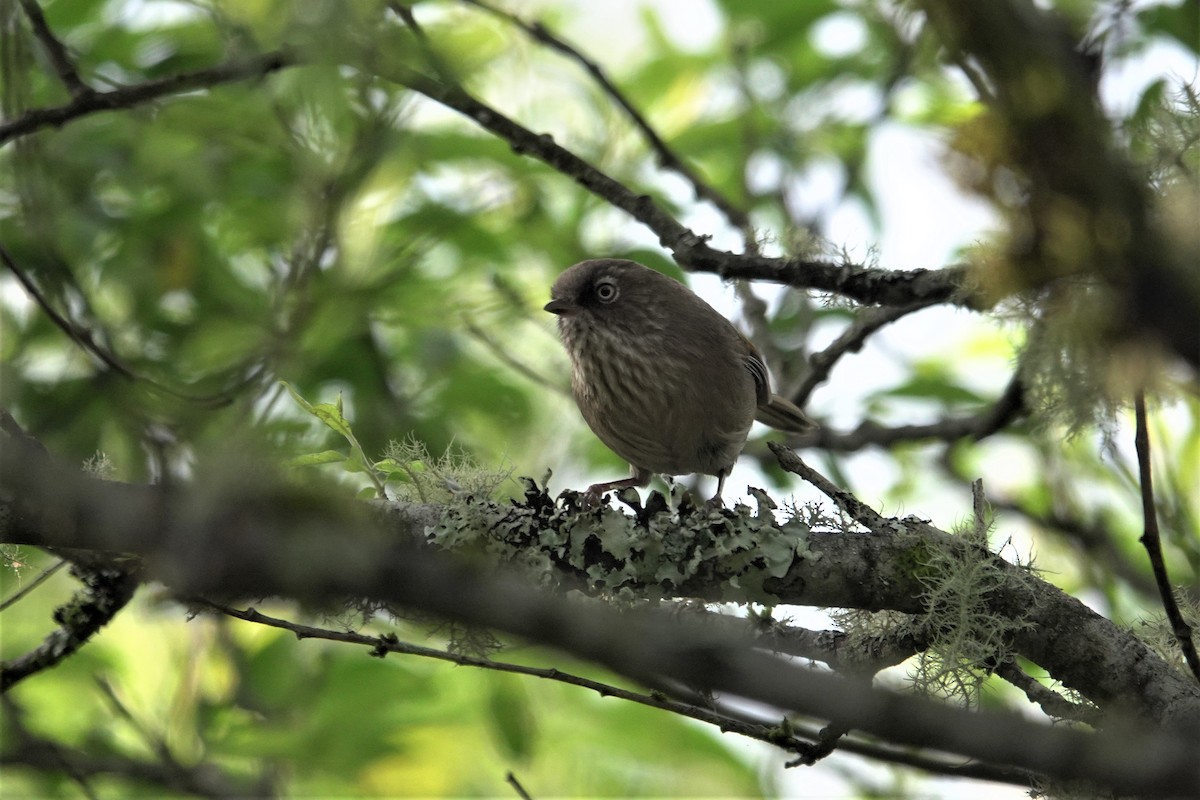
325 227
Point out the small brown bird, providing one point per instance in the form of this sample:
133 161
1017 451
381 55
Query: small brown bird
662 379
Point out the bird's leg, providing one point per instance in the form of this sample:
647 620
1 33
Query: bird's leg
716 500
640 478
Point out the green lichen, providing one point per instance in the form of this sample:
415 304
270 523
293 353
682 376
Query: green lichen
962 633
657 550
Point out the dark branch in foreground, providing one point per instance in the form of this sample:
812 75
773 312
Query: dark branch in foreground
237 533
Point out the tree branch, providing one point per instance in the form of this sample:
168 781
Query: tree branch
667 158
867 285
851 340
104 594
224 535
55 50
389 643
91 102
1007 408
792 736
1051 702
1152 541
1059 627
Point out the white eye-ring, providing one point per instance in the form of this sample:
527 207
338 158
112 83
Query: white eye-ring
606 290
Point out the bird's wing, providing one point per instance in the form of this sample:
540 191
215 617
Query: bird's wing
753 361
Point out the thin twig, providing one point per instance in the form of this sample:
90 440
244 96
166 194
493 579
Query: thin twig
77 333
667 158
435 60
499 351
1153 542
388 643
1050 701
155 741
86 341
55 49
851 340
1008 407
859 511
934 764
129 96
42 577
731 718
517 787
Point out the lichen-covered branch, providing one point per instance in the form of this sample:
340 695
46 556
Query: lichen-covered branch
105 592
238 533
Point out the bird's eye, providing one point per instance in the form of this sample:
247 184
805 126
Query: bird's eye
606 290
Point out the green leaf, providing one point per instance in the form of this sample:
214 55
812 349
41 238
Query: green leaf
323 457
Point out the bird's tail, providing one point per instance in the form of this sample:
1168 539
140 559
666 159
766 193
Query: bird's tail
782 414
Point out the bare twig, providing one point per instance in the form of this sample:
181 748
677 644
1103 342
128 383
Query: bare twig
850 341
517 787
923 760
1051 702
868 285
859 511
1008 407
77 333
42 577
389 643
139 93
667 158
728 718
85 339
55 49
432 57
1153 543
519 366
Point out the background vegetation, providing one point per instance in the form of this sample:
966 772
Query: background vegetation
369 201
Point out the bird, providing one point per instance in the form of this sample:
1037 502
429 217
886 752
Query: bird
661 378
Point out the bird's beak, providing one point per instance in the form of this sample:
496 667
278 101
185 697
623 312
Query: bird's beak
560 306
